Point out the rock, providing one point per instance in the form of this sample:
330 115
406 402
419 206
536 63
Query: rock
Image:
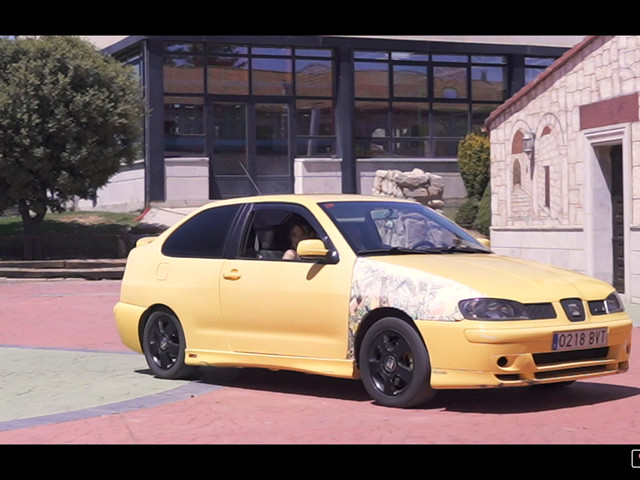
412 180
420 194
417 185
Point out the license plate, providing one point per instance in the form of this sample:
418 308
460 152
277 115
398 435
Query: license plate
577 339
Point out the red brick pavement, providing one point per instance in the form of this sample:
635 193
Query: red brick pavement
76 314
262 407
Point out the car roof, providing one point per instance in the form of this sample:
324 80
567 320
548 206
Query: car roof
304 199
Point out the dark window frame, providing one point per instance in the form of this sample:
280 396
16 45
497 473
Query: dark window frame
248 53
431 143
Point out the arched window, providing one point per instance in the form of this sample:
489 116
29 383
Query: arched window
517 143
517 173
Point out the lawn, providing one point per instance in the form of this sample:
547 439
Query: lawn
74 222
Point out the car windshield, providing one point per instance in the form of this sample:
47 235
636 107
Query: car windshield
379 228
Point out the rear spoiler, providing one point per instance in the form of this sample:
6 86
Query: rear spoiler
145 241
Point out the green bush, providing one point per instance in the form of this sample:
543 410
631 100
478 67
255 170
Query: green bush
466 215
482 221
475 169
474 164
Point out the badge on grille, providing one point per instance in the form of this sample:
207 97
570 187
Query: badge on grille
574 309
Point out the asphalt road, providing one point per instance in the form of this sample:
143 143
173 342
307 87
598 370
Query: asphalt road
65 378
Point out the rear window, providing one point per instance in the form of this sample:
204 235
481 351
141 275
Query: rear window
202 236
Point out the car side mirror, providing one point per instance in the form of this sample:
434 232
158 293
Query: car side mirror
312 249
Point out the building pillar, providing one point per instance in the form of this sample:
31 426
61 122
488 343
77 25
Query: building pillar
154 128
345 122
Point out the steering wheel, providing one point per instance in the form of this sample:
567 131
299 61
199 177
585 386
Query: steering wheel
423 243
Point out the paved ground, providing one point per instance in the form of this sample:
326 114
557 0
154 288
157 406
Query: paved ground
66 379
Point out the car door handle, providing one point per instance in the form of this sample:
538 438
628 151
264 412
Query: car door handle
233 274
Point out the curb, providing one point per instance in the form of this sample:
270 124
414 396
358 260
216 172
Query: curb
95 269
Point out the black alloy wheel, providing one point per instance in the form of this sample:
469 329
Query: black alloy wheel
164 345
394 365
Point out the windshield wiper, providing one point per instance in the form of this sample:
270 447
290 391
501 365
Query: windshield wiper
399 251
464 249
409 251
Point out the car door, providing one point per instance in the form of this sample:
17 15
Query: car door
284 307
187 279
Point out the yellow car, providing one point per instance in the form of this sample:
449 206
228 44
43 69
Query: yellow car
384 290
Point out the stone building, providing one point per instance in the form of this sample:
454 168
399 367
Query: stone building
565 171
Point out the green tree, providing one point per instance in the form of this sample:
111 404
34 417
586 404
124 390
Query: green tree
69 117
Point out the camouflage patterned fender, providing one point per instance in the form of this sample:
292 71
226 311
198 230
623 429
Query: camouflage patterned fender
421 295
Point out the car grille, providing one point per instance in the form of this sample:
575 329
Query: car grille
539 311
573 363
571 371
570 356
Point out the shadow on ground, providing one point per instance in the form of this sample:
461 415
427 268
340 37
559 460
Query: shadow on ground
531 399
294 383
499 401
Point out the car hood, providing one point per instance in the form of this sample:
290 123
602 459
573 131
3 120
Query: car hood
501 277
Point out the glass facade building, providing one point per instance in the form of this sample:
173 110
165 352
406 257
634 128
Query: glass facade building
254 107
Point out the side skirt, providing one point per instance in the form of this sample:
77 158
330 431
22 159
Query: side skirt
319 366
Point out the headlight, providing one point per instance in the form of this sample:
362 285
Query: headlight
614 304
492 309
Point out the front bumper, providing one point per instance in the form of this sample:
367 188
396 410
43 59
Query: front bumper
471 354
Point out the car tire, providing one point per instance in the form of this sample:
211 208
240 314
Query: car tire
163 343
394 364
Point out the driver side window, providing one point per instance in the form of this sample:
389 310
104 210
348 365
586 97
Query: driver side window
274 231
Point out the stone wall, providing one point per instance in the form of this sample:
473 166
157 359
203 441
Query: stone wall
610 68
548 204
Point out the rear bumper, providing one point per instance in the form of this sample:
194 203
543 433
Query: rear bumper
477 355
127 318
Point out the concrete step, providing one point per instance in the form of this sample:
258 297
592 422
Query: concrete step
94 269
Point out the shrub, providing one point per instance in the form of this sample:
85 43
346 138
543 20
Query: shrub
474 164
466 214
483 217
